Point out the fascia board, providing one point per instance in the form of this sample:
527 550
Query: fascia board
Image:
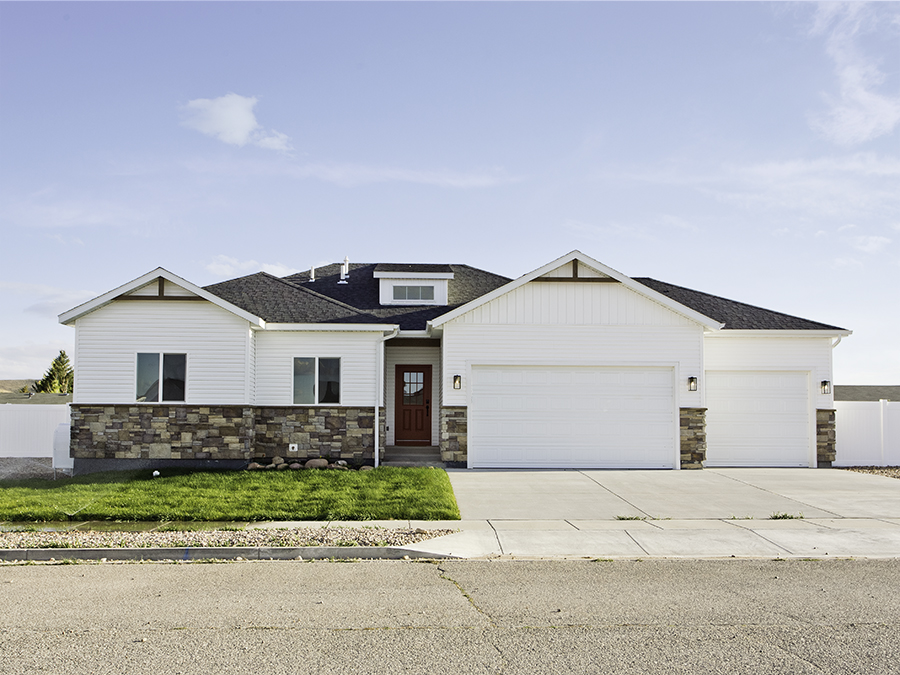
67 318
640 289
332 327
412 275
769 333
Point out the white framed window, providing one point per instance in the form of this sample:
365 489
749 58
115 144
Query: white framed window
317 380
414 293
160 377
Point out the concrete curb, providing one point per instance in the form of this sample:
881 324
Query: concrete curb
223 553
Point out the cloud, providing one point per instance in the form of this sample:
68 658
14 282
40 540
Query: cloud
32 360
49 301
860 112
230 119
869 244
610 230
352 175
45 209
225 266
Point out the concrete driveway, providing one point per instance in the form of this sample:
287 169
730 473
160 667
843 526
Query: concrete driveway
701 514
710 493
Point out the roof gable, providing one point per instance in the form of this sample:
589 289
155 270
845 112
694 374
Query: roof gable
138 289
556 271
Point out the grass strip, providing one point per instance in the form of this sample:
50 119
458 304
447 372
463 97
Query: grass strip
387 493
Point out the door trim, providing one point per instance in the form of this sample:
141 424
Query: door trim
426 369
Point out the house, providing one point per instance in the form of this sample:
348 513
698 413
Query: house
571 365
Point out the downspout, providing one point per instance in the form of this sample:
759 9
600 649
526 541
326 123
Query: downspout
837 342
379 387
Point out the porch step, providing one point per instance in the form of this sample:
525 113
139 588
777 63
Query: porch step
395 455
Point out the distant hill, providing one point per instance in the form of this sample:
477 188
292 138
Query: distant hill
13 386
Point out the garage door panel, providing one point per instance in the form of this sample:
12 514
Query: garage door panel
759 418
550 416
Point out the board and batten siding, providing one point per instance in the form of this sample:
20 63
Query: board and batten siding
419 356
276 350
723 352
571 323
108 340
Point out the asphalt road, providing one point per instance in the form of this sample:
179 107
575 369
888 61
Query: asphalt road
651 616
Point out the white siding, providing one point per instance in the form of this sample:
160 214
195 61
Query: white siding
574 304
419 356
467 344
108 339
764 353
275 352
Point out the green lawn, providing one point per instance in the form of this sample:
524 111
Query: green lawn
383 494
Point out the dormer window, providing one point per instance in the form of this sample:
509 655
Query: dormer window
413 284
414 293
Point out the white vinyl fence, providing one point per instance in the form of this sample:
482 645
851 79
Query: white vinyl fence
29 430
867 433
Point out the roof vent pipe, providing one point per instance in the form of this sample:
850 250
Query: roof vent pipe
345 270
312 273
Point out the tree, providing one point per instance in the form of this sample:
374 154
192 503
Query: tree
59 379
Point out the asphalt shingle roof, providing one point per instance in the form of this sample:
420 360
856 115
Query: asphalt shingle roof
735 315
866 392
296 299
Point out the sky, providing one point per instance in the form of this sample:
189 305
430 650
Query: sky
749 150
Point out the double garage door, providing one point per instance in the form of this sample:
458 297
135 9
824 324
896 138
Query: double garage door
572 416
758 418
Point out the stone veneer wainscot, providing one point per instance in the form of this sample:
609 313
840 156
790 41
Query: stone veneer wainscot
221 432
693 437
825 438
454 434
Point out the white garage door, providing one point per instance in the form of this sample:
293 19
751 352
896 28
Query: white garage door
757 418
577 417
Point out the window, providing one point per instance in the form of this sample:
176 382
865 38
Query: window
317 380
170 369
413 292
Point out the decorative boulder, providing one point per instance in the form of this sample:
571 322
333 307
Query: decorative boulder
317 463
254 466
366 468
271 466
296 465
282 466
276 460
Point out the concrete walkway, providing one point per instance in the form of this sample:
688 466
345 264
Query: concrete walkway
696 514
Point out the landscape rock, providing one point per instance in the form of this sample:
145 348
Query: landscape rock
282 466
270 466
254 466
276 460
366 468
296 465
317 463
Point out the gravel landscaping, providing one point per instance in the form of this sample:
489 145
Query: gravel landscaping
295 537
889 471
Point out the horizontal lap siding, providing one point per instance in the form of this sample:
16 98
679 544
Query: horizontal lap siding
773 354
276 351
109 338
593 345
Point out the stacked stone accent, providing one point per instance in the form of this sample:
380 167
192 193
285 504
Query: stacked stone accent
693 438
332 433
454 434
825 438
167 432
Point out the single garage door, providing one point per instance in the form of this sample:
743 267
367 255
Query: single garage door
759 418
576 417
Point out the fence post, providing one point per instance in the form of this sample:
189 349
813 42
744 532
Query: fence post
882 414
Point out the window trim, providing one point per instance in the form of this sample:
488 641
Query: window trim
159 380
316 402
406 288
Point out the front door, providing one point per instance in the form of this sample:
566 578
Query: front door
412 425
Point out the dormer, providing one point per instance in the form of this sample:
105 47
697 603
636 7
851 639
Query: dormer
409 284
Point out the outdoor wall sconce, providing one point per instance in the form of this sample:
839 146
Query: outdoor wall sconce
826 387
692 384
457 381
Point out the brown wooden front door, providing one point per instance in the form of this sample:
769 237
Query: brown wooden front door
412 425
